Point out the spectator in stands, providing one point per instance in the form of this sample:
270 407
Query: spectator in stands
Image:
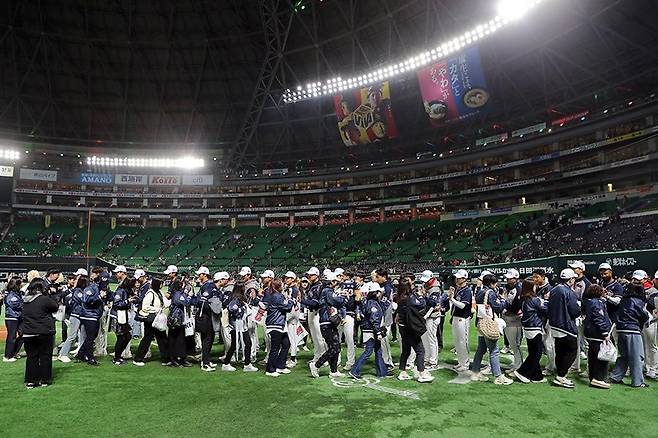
631 318
563 309
597 330
13 301
38 328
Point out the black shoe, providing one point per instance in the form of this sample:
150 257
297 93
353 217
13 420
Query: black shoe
173 365
166 364
641 385
616 382
186 365
31 385
93 363
118 361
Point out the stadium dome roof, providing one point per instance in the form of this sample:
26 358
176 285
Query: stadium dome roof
212 73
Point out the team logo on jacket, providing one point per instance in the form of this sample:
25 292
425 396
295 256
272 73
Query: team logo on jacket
117 297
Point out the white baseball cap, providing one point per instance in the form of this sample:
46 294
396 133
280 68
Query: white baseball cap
221 275
329 275
640 274
81 271
512 273
605 266
568 274
577 264
120 268
339 271
304 279
484 274
245 270
139 273
372 286
313 271
202 270
426 275
290 274
171 269
461 273
268 273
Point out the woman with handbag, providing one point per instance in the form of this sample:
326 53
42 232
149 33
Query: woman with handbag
534 311
597 331
488 304
152 304
122 300
180 302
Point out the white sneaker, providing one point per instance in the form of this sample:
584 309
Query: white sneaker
583 356
274 374
212 364
283 371
425 377
479 377
64 359
503 380
460 368
547 372
208 368
404 376
599 384
138 364
228 367
9 359
314 369
431 367
336 374
291 364
563 382
486 371
521 377
347 367
249 368
305 348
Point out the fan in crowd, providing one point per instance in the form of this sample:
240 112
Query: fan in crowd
609 319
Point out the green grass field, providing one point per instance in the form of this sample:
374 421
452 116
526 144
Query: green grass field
155 401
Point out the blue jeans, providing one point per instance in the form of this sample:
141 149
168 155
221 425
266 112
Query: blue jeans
371 345
631 354
485 344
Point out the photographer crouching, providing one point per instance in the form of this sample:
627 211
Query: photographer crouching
38 328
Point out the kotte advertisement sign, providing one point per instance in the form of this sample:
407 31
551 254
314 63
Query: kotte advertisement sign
164 180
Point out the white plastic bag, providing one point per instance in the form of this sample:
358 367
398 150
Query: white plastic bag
160 322
188 323
607 352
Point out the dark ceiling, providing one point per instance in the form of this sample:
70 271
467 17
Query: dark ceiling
211 73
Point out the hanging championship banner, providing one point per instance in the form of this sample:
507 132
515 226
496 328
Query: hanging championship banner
365 115
455 88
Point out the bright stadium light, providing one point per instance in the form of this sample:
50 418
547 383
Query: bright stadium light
508 11
10 155
186 162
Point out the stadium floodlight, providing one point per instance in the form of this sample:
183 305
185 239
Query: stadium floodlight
9 155
508 11
185 162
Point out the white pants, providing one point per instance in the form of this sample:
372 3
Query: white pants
430 341
319 346
100 343
386 347
549 345
514 335
253 335
460 331
291 326
650 339
347 329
